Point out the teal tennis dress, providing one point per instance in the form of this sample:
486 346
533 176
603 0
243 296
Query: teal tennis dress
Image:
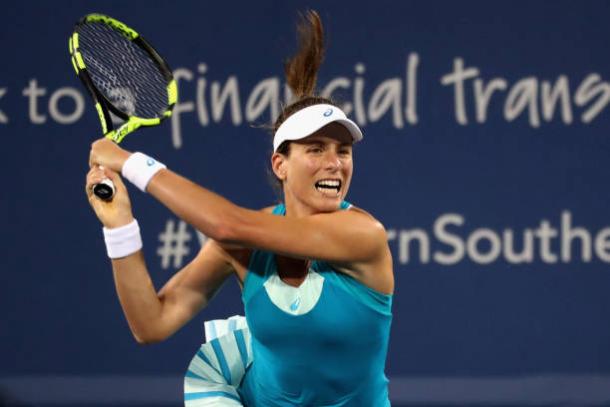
323 343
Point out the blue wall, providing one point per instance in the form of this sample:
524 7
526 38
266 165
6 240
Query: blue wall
485 156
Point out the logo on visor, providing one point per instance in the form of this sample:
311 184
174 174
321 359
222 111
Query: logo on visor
328 112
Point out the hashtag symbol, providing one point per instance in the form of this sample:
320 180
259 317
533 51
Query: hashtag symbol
173 244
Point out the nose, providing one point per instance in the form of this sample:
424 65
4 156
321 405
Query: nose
332 161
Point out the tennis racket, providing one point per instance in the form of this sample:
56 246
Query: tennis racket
127 79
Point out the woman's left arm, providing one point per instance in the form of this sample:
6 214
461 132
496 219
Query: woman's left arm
340 237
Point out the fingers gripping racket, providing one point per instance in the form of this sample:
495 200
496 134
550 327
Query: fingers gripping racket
124 75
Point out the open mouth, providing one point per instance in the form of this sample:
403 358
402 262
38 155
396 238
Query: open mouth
329 186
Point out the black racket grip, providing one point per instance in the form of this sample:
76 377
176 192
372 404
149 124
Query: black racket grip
104 190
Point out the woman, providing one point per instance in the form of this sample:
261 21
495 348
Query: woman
316 271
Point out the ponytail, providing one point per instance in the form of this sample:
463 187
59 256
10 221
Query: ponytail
301 69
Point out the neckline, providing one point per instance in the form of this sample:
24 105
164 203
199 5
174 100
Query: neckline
276 271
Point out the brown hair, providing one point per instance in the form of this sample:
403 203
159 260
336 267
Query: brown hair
301 72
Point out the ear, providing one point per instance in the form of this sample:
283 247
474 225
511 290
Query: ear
278 165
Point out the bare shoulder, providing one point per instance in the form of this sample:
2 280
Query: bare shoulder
364 219
377 274
357 210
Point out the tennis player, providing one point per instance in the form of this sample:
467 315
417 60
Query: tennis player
316 271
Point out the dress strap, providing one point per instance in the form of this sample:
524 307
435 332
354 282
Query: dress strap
279 209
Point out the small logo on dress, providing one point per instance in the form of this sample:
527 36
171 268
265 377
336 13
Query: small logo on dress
328 112
150 162
295 304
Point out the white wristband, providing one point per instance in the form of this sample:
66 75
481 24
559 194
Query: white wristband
123 241
140 168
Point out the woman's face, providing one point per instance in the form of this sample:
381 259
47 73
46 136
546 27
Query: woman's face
317 172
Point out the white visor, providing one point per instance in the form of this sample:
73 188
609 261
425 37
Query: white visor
307 121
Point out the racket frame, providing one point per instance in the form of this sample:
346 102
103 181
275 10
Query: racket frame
103 105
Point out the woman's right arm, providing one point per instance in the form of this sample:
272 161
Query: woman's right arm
152 316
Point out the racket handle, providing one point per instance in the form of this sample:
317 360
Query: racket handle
104 190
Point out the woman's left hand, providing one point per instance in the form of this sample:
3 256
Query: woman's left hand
107 154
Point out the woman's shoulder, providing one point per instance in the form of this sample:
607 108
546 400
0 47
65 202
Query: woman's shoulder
363 215
355 209
377 275
348 210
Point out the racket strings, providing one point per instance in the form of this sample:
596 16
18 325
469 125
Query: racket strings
123 72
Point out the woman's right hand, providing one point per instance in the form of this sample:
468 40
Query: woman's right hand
116 212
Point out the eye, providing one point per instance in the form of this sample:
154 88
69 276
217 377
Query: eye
315 149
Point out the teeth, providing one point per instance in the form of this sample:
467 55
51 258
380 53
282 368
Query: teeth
328 191
329 183
329 187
